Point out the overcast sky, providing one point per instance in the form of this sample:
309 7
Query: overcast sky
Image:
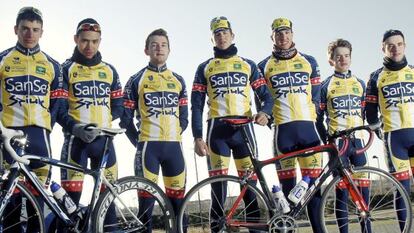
126 24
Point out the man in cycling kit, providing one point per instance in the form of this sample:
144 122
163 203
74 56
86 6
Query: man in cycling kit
294 81
94 97
31 92
390 93
227 80
343 102
158 97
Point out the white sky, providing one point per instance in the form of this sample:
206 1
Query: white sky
126 24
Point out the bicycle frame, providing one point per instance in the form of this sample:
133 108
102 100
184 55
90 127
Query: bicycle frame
335 167
97 174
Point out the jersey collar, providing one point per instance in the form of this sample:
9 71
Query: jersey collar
342 75
156 68
27 51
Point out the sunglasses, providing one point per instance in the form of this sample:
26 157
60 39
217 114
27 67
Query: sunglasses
30 9
89 27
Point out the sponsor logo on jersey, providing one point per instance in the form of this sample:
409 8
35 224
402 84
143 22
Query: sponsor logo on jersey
398 93
228 83
91 93
346 106
290 83
101 75
161 103
40 70
26 90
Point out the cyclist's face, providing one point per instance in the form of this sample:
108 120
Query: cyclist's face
88 43
158 50
341 60
223 39
283 39
394 48
28 33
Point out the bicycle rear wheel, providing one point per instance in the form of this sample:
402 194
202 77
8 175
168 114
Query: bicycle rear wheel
205 207
139 206
382 191
22 212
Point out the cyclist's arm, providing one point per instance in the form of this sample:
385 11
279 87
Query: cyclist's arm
183 104
321 111
264 97
315 79
63 118
116 96
58 94
130 105
198 97
371 98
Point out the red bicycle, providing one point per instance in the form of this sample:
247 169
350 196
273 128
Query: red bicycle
378 213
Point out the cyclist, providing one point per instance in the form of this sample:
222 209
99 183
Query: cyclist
94 97
343 102
159 98
31 92
294 81
227 80
389 92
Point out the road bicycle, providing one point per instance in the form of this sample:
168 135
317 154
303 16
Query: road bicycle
234 213
114 210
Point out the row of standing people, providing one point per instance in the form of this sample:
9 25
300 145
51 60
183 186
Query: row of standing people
286 85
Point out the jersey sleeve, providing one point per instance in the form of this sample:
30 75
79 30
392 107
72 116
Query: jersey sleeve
264 101
116 96
198 98
371 98
130 102
58 95
183 105
321 110
315 79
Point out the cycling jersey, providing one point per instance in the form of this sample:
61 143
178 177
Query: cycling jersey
94 93
227 82
392 93
31 86
294 84
159 97
343 102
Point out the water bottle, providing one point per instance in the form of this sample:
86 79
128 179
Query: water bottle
297 193
62 196
282 203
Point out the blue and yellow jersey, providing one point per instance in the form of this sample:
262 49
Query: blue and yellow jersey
342 101
392 93
159 98
295 85
94 93
228 83
31 87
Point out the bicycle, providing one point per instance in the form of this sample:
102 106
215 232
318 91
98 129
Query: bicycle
121 195
375 215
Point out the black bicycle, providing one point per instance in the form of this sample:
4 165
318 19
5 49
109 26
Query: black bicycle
119 202
231 211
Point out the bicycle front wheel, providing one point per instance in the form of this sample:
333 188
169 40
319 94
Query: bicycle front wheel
207 205
139 205
389 207
22 212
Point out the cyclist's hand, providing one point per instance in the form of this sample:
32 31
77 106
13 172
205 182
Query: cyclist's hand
261 118
200 147
81 131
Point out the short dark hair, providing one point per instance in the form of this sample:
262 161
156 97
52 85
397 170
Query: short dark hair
392 32
29 13
338 43
157 32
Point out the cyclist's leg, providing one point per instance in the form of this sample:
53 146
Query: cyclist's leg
218 164
397 145
39 144
95 152
311 166
243 165
174 174
147 164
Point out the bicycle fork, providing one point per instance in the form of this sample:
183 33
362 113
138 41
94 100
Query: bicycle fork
356 195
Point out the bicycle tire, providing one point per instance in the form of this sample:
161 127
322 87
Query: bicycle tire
196 217
382 217
24 204
162 219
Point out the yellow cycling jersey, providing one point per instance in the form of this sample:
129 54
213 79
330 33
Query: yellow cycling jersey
159 98
392 93
343 102
294 84
93 92
31 83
